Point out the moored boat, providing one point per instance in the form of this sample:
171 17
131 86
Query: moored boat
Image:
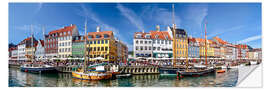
221 71
37 69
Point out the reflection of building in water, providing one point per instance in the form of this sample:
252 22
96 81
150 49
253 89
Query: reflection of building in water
64 79
145 77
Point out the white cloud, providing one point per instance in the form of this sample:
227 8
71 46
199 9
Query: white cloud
160 15
131 16
223 31
197 13
249 39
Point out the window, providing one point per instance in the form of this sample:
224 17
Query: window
149 42
98 48
136 47
98 36
147 36
137 41
162 42
90 37
141 42
102 48
98 41
154 48
94 42
156 36
141 47
106 41
158 41
145 48
106 48
106 36
64 33
102 41
145 42
149 48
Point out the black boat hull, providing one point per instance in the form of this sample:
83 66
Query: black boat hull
184 73
38 70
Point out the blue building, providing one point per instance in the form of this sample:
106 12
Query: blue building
193 48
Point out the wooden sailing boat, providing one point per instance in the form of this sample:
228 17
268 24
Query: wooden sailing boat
197 71
86 74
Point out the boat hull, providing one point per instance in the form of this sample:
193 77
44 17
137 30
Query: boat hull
37 69
168 71
91 77
199 73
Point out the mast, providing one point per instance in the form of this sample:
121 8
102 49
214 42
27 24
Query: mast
85 28
43 29
205 45
174 38
32 43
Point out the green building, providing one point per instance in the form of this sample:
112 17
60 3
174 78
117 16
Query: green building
78 47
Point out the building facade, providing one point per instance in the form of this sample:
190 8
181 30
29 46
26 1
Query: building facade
122 51
142 45
101 44
193 48
162 44
180 42
78 45
58 43
40 50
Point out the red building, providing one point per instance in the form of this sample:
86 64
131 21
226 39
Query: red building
56 41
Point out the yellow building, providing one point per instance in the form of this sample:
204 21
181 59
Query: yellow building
180 43
210 49
101 44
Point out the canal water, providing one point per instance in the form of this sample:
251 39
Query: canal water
23 79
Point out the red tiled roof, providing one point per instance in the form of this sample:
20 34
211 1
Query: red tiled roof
161 35
102 33
66 28
142 34
192 40
241 46
220 40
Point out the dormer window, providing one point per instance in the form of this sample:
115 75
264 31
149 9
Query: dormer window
90 37
98 36
147 36
156 36
106 36
138 36
166 37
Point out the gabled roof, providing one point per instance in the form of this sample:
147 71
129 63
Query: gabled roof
143 35
219 40
163 35
66 28
101 33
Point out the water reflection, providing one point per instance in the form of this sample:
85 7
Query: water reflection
18 78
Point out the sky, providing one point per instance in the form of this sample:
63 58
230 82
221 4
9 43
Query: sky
238 23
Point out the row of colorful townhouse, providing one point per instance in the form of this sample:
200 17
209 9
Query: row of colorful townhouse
160 45
66 43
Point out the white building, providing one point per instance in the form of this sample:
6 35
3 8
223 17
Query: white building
142 45
155 44
40 50
21 51
65 40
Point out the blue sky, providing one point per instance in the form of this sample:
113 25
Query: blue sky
233 22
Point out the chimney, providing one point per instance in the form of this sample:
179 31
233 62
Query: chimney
158 28
98 29
142 31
